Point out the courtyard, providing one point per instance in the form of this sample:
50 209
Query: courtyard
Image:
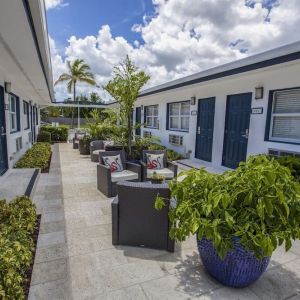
75 258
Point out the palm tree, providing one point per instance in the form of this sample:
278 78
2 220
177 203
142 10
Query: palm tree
79 71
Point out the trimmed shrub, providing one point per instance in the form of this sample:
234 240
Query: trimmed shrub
58 134
36 157
171 154
292 163
17 224
44 137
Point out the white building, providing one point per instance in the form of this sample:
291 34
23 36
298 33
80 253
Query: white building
227 113
25 76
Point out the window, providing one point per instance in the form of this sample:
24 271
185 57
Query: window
151 116
285 116
26 115
14 113
179 116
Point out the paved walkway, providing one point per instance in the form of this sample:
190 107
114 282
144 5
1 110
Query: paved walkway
76 260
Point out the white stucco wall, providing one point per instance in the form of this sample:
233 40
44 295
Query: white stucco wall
12 153
272 78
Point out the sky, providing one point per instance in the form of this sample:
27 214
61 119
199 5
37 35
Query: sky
168 39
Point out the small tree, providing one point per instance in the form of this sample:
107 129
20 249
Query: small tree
124 88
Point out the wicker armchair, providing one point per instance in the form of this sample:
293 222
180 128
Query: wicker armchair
135 221
107 180
95 146
169 169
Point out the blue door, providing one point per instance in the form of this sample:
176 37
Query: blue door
205 129
3 147
238 109
138 119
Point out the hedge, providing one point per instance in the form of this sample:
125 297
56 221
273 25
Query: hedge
36 157
44 137
171 154
58 134
18 220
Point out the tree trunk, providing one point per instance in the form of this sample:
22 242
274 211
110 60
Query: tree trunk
129 134
74 98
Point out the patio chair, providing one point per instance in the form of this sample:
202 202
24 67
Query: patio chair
77 137
107 180
135 221
169 169
95 148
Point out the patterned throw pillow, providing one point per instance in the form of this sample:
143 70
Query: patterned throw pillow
155 161
114 162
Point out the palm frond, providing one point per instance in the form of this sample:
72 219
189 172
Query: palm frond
88 80
63 77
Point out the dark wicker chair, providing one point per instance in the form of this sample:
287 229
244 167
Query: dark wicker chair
169 171
107 181
135 221
94 146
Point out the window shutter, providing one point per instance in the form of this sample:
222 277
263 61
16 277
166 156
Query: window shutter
287 101
168 112
286 127
18 113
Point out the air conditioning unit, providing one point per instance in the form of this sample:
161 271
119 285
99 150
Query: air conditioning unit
176 140
278 153
147 134
19 144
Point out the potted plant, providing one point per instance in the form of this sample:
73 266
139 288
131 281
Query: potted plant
240 217
156 178
84 145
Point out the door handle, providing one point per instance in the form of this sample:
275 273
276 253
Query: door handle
198 130
246 135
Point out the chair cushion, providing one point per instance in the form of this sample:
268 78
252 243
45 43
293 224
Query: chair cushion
114 162
123 175
167 173
155 161
98 151
108 143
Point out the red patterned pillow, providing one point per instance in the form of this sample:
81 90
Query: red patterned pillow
155 161
114 162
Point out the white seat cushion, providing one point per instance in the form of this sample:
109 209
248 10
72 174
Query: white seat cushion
123 175
167 173
98 151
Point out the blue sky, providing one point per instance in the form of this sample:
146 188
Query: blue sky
175 37
83 18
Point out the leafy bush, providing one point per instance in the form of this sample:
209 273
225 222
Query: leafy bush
58 134
291 162
17 224
171 154
44 137
259 203
36 157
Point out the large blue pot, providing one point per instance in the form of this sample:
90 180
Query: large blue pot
239 268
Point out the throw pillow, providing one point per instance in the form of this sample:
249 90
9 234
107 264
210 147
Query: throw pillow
114 162
155 161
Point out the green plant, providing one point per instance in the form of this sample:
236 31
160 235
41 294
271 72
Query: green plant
291 162
17 224
58 134
259 203
171 154
125 88
79 71
36 157
157 177
44 136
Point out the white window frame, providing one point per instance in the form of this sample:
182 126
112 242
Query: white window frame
151 117
180 116
273 115
13 115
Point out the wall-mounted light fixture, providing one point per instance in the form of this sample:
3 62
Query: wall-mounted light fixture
7 87
259 92
193 100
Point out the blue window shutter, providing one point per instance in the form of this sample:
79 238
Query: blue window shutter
18 114
167 121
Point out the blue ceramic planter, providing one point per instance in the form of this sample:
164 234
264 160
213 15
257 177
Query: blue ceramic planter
239 269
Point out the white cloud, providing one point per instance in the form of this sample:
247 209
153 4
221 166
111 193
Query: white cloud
51 4
187 36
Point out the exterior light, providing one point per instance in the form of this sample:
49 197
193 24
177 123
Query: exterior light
259 92
193 100
7 87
